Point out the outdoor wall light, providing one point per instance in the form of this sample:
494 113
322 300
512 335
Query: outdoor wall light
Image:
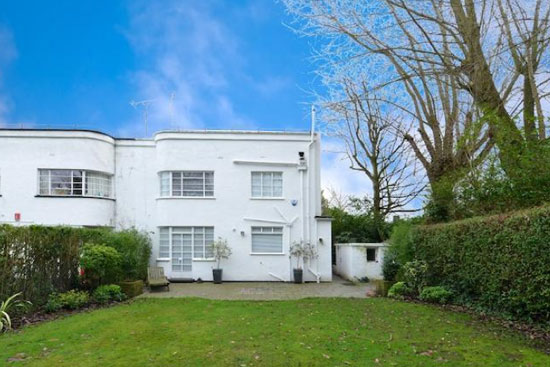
242 233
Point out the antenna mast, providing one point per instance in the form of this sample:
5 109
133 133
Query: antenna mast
145 103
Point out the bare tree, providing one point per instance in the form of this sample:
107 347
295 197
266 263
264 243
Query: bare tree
373 148
467 70
335 199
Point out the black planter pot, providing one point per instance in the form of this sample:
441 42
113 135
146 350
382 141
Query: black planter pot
217 274
298 276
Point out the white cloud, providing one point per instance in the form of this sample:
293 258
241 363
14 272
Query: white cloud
8 54
190 53
272 85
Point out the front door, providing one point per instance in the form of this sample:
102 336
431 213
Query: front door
182 254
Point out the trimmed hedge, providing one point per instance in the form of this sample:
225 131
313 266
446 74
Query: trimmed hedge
39 260
499 264
132 289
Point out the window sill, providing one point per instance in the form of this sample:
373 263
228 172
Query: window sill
267 254
267 198
74 197
163 259
204 260
186 198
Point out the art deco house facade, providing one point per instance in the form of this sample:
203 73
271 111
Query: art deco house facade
258 190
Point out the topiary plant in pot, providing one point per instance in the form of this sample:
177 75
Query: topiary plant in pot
221 250
301 251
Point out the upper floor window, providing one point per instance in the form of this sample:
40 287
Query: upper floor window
69 182
187 183
267 184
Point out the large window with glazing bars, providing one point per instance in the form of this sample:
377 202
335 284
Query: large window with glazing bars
187 184
182 244
267 184
71 182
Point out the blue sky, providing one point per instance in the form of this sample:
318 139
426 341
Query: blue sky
228 64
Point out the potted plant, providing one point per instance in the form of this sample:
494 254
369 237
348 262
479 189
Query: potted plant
221 251
302 251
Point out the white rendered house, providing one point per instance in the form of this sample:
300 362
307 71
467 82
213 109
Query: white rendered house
258 190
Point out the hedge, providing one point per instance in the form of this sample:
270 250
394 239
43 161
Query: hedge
499 263
39 260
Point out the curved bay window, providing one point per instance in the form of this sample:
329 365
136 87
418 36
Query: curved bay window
70 182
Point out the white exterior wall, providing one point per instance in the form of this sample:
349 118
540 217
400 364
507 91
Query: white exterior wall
137 203
22 153
351 260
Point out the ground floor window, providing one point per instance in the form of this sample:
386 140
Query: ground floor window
267 240
183 244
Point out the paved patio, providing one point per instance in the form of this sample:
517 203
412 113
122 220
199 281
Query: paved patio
264 290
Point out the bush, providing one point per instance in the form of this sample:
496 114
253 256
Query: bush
53 304
436 295
414 275
361 227
132 289
135 250
390 265
101 264
497 263
71 300
8 308
399 290
39 260
107 293
400 250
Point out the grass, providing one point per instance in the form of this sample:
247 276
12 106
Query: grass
310 332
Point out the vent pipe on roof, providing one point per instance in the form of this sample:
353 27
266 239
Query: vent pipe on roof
312 121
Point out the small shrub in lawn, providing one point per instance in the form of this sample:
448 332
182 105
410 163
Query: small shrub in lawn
437 294
107 293
399 290
71 300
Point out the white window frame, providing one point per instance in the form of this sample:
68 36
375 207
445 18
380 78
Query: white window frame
185 230
263 174
254 231
171 190
83 187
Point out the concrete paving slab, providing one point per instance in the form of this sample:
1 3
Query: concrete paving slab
264 290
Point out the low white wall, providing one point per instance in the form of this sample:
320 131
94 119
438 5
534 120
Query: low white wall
352 264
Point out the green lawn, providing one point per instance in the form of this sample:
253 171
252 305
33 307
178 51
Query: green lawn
311 332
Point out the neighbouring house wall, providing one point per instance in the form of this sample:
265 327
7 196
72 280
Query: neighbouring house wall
136 165
352 264
22 153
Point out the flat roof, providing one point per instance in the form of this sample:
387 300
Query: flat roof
172 131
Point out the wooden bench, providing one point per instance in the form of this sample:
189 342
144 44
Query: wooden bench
156 278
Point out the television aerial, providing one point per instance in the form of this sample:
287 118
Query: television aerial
145 105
